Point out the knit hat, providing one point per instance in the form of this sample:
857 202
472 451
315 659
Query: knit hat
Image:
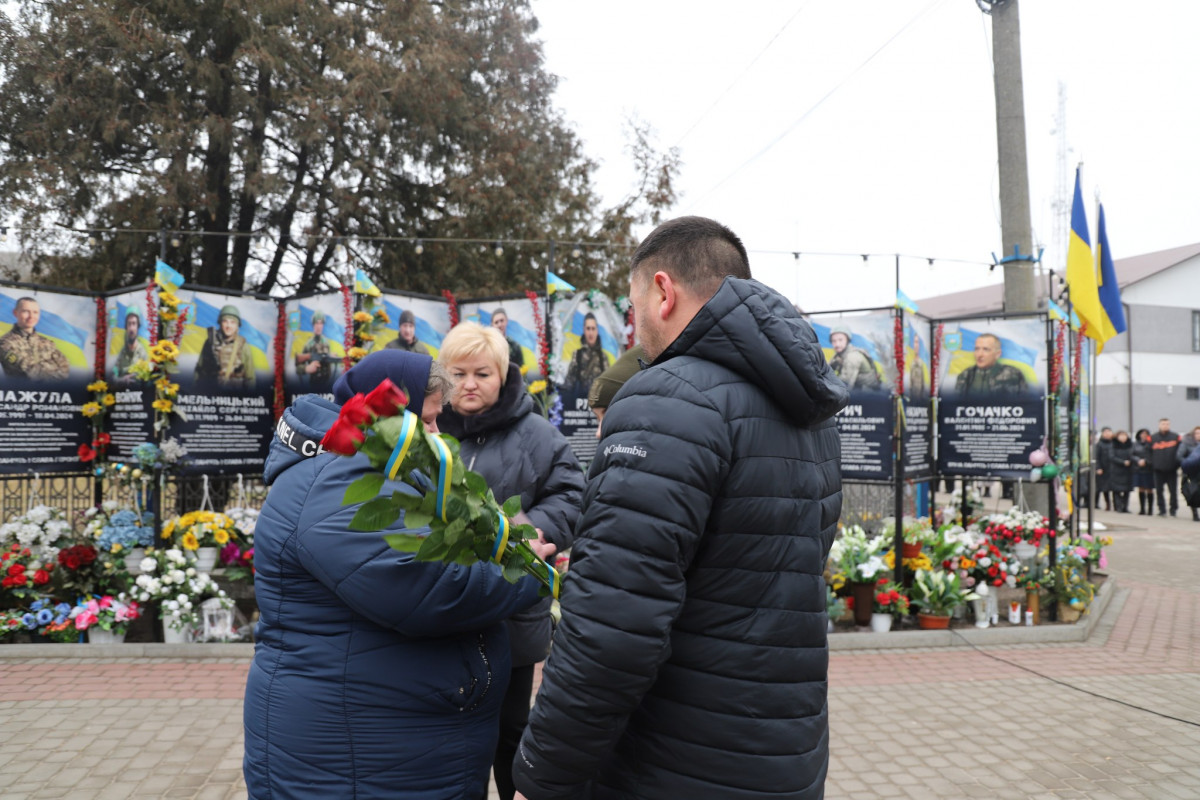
605 387
407 316
409 371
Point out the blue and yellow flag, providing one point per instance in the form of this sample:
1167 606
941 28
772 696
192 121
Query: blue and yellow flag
903 301
1112 317
554 283
364 285
166 277
1081 270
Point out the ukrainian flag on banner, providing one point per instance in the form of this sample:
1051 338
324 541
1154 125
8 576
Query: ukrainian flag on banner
116 323
335 332
364 285
70 340
903 301
1015 355
554 283
166 277
517 332
1112 316
1081 270
203 316
425 332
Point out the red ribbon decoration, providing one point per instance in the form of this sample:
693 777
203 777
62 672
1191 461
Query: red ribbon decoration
181 323
152 314
348 310
1078 359
451 306
1056 366
935 359
898 337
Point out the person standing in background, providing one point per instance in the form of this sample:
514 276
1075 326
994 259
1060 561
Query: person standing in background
1164 446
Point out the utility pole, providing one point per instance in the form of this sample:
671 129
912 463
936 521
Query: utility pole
1019 255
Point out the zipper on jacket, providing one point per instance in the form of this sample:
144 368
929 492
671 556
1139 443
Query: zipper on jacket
479 440
487 669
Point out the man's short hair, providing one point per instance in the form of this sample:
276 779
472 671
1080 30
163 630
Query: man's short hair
26 299
470 339
991 336
698 253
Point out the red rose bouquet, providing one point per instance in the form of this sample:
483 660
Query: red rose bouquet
22 575
889 599
466 522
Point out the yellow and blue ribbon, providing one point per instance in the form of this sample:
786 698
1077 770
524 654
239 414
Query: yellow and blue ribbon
445 474
408 432
501 538
552 580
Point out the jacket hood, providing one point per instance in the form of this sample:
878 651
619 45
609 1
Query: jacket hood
513 403
754 331
298 434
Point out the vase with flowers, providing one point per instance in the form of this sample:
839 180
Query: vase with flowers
855 561
889 602
203 534
171 580
1068 584
938 594
106 618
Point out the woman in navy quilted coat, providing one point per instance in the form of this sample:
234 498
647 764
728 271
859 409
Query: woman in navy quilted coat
374 676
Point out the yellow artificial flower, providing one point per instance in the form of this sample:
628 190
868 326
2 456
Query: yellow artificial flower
110 399
537 387
524 369
189 541
366 337
116 548
97 386
168 315
168 529
168 299
221 536
90 409
164 406
382 316
362 316
837 581
164 351
356 353
166 388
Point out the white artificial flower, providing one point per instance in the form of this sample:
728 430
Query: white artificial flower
176 576
191 572
148 565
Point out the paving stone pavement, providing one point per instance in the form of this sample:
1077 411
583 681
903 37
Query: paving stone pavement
1001 721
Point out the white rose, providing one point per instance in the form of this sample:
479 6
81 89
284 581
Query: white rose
191 572
148 565
183 600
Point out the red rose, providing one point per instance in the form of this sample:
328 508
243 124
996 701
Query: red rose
40 577
882 598
86 453
72 562
386 399
16 569
355 411
102 440
992 570
343 438
87 553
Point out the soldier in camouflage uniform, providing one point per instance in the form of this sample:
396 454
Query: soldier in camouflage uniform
407 340
226 356
589 361
500 322
314 361
133 351
851 364
988 376
25 353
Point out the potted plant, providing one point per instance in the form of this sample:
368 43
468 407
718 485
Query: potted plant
41 530
937 594
1069 585
855 560
202 533
171 581
889 602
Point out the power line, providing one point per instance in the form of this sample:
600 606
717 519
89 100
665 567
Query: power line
821 102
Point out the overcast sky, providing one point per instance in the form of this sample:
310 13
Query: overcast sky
827 126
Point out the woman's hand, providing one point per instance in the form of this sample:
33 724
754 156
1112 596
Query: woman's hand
544 550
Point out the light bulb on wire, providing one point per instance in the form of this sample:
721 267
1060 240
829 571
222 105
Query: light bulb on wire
419 247
498 249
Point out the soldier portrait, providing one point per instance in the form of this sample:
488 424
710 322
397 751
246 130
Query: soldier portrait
407 340
500 322
226 356
25 353
852 364
315 363
131 353
989 376
589 360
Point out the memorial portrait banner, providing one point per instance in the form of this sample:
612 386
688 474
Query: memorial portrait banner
521 328
227 380
991 409
860 348
430 323
590 333
47 353
918 420
316 345
131 419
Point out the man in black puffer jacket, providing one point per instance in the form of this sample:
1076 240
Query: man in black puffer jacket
691 659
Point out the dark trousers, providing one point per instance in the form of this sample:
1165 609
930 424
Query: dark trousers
1167 478
514 716
1120 500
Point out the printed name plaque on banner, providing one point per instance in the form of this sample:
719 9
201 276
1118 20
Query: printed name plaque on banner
47 353
991 409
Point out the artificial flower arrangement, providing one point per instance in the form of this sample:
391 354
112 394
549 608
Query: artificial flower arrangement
917 562
1091 548
197 529
42 529
889 599
24 572
1014 527
79 570
952 513
108 612
96 410
1067 580
939 593
854 556
984 565
43 617
124 529
238 562
466 523
169 578
917 530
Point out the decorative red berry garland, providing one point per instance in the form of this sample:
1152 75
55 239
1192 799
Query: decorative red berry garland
348 311
152 314
180 327
1056 365
280 343
101 336
1078 358
451 306
543 343
935 359
898 339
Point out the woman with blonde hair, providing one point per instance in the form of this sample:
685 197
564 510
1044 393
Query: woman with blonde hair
506 440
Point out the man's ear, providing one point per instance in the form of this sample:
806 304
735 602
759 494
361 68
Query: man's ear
666 294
